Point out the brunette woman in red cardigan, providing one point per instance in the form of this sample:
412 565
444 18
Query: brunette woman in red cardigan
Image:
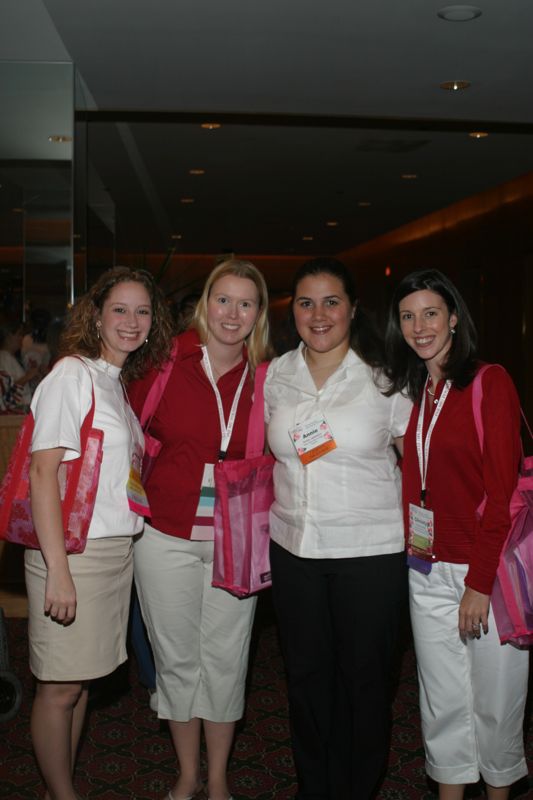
472 689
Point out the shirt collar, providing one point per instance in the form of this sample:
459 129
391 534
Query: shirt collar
190 346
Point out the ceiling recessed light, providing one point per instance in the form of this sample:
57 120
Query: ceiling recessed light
364 203
197 171
59 139
332 223
455 86
478 134
211 126
308 238
176 236
186 200
459 13
409 176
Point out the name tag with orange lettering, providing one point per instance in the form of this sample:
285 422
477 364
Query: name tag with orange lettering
312 439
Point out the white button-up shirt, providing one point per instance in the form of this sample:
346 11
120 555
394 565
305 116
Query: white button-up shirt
348 502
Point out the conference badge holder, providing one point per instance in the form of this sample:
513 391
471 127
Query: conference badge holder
420 544
312 439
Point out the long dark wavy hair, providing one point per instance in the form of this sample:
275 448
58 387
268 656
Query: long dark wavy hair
406 371
365 339
80 335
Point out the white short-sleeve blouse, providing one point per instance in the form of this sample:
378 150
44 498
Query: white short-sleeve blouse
348 502
61 403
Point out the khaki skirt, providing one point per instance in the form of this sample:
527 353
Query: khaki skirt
94 644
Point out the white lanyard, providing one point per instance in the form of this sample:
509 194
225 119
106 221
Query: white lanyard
422 448
225 430
129 416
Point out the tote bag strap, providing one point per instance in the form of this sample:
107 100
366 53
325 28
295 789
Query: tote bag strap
255 439
76 464
477 397
155 393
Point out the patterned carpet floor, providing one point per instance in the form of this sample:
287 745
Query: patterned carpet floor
126 751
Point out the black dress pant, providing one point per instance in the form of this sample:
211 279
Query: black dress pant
338 621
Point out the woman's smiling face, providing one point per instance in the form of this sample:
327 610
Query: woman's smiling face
426 324
323 313
124 322
232 309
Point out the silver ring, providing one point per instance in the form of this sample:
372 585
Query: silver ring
476 624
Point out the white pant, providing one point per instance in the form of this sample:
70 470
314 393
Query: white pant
472 693
200 636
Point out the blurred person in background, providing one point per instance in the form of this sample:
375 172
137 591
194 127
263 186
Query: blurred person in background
11 335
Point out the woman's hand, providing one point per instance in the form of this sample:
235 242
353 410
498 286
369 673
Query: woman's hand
473 613
60 592
60 595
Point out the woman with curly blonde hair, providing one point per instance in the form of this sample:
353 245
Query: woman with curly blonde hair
78 604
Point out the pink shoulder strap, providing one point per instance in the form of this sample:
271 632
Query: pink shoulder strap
477 397
255 440
155 393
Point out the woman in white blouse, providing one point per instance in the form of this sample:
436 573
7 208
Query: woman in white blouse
78 603
338 568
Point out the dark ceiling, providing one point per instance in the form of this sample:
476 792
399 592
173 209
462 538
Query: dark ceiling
323 108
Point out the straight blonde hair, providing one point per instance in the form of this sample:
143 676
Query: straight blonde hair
258 340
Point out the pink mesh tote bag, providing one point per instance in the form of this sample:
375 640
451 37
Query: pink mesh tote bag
244 492
78 483
512 593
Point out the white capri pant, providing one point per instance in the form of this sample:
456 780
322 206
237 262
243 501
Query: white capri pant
472 693
200 636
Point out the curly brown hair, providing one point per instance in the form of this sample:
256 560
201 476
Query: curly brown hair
80 336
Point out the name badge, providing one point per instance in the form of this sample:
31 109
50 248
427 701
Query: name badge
137 499
312 439
421 534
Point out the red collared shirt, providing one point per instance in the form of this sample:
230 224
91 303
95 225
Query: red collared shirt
187 424
458 475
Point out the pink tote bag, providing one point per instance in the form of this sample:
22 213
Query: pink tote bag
512 594
78 484
244 492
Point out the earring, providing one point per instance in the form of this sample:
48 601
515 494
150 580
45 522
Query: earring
98 326
452 331
146 340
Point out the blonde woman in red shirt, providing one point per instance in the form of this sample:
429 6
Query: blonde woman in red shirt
472 689
200 635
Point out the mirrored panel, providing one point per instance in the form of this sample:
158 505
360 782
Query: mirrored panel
36 205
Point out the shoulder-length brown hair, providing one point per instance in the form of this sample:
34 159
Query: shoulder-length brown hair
258 341
80 336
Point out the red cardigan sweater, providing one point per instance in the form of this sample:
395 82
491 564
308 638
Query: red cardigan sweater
187 424
458 475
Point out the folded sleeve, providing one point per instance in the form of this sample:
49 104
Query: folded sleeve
60 404
400 414
269 388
